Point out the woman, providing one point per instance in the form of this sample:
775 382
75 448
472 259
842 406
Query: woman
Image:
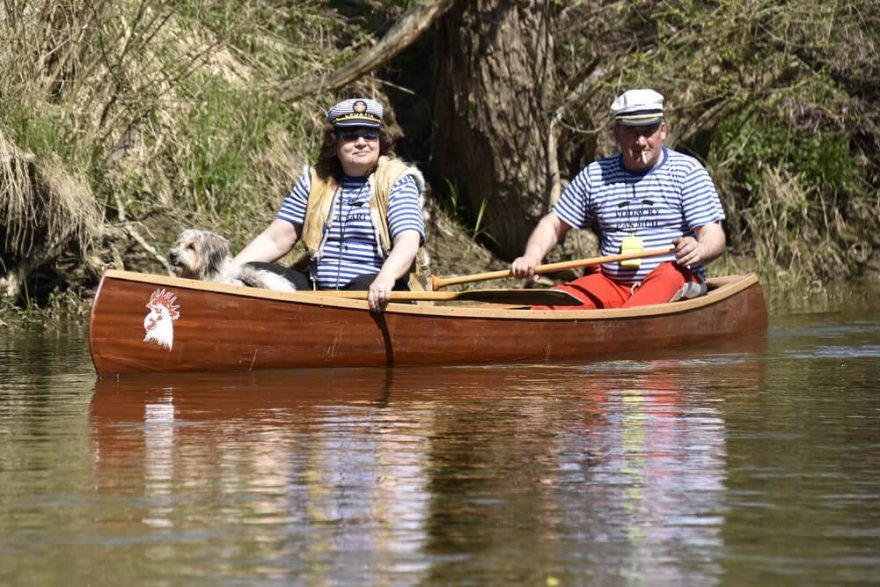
358 210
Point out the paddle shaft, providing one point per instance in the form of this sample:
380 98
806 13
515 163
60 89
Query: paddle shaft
440 282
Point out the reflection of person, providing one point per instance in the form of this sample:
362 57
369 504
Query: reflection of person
645 197
358 210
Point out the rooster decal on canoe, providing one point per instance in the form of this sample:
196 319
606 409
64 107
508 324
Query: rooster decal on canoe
159 322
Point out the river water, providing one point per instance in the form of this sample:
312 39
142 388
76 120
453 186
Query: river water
753 462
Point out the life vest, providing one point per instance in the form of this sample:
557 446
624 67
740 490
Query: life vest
319 213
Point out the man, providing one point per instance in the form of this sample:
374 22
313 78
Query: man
645 197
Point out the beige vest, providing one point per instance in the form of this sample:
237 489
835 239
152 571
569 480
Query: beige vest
320 208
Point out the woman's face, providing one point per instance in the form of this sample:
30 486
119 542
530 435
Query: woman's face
641 145
357 149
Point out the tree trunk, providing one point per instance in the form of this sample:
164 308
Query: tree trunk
492 91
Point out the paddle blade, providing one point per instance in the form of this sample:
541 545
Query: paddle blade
524 297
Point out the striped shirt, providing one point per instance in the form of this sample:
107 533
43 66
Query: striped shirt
665 203
351 249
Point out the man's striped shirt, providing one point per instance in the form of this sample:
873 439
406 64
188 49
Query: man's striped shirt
667 202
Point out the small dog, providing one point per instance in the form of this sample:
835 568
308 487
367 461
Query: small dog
204 255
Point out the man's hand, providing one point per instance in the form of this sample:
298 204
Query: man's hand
708 244
687 251
550 230
524 266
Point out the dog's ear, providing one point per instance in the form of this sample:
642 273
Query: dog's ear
218 249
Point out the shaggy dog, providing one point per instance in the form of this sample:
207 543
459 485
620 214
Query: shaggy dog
204 255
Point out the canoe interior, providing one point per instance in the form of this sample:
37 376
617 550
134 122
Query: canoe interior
149 323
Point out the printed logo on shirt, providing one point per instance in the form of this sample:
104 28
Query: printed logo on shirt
633 215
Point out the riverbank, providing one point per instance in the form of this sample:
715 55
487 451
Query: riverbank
206 115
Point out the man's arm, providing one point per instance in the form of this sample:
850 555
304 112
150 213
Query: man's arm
708 245
550 230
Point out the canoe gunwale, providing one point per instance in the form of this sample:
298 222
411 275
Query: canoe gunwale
719 289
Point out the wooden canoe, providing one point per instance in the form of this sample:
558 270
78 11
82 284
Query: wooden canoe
151 323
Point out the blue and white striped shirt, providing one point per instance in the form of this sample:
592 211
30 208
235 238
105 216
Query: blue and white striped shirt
667 202
351 248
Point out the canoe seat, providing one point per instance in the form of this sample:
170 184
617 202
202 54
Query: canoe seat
689 291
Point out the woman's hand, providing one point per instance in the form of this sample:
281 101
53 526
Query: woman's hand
379 293
398 263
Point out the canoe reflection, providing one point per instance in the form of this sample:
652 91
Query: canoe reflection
383 469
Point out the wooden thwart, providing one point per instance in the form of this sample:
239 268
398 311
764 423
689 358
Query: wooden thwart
523 297
441 282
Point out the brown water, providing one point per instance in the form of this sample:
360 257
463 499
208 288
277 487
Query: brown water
754 463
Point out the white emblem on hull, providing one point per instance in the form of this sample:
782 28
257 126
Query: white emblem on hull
159 322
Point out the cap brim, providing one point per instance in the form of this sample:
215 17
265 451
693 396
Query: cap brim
639 120
357 124
350 120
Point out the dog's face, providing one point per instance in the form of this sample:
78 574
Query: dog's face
198 254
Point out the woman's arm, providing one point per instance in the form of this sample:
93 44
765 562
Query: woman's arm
271 244
398 264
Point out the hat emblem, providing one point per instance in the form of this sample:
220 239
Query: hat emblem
360 107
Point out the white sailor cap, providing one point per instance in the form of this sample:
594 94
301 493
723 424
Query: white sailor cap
641 107
356 112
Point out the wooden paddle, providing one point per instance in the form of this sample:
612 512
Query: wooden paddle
525 297
441 282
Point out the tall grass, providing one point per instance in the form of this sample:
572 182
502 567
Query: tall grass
123 121
800 204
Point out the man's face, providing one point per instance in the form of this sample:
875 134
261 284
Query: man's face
641 145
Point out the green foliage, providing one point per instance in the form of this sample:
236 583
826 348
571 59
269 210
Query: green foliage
45 132
747 146
216 140
789 193
455 207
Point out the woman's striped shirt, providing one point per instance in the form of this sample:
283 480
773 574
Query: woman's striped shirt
667 202
351 248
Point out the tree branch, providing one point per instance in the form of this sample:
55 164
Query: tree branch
420 16
586 86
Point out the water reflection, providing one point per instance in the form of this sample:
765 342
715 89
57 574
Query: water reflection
719 465
303 461
655 468
432 475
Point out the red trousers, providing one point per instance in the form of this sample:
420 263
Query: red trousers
598 291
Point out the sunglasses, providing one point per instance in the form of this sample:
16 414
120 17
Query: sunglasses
353 135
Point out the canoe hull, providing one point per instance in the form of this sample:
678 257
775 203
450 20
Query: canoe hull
211 327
